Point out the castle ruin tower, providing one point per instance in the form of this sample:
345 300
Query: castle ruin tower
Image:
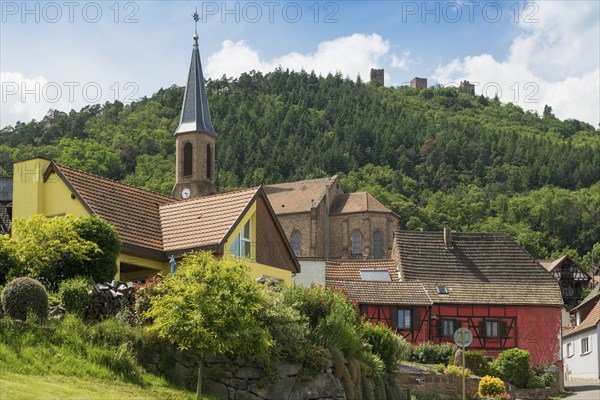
195 137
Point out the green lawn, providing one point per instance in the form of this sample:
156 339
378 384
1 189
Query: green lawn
29 387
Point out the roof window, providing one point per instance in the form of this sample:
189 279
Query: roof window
375 275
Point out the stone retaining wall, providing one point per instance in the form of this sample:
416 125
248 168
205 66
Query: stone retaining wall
438 384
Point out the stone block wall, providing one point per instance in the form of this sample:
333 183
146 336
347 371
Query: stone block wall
436 384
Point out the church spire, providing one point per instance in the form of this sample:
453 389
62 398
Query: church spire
195 116
195 137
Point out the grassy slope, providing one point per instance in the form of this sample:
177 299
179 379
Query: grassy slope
73 360
26 387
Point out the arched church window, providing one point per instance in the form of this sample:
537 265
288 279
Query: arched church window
188 155
209 163
296 240
378 244
356 242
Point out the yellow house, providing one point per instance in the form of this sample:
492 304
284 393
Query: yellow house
153 227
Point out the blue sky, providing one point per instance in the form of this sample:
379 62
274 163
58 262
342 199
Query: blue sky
67 55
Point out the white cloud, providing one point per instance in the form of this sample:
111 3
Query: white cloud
25 98
403 62
350 55
553 61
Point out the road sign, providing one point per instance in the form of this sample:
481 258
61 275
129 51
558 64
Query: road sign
463 337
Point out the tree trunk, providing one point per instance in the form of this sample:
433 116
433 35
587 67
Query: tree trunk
199 383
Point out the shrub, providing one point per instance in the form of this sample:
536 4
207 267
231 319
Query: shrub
513 366
490 386
144 293
102 266
540 375
24 295
476 362
75 295
8 258
429 353
456 370
536 382
56 249
384 344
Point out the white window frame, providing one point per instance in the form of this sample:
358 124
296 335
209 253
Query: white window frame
238 247
570 351
404 318
492 329
587 348
448 327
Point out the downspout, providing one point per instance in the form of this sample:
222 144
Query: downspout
327 221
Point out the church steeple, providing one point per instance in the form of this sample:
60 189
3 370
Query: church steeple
195 115
195 136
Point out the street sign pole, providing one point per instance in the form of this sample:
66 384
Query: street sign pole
462 332
463 338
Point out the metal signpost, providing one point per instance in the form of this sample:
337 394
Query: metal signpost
463 338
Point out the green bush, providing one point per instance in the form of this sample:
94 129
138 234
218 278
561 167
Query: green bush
384 343
540 375
8 257
24 295
476 362
456 370
490 386
75 295
430 353
513 366
102 267
536 382
1 309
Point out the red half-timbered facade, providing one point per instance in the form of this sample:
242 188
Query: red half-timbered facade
439 282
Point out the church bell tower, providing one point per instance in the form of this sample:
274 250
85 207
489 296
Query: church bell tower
195 137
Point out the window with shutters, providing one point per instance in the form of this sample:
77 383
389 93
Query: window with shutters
356 242
585 346
378 244
188 155
404 319
449 326
296 241
493 328
570 351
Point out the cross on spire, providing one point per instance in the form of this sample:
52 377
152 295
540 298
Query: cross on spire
196 19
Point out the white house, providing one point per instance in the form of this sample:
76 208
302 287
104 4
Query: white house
581 342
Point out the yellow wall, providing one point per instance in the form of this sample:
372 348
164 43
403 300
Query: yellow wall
257 270
32 196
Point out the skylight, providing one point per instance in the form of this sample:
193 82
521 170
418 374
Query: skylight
442 289
375 275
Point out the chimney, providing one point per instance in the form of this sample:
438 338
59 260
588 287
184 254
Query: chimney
447 237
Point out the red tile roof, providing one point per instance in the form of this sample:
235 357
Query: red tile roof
132 210
300 196
591 321
383 293
204 221
357 202
350 270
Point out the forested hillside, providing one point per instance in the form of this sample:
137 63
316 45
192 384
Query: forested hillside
434 156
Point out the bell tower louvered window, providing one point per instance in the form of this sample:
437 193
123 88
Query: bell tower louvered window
188 156
209 162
